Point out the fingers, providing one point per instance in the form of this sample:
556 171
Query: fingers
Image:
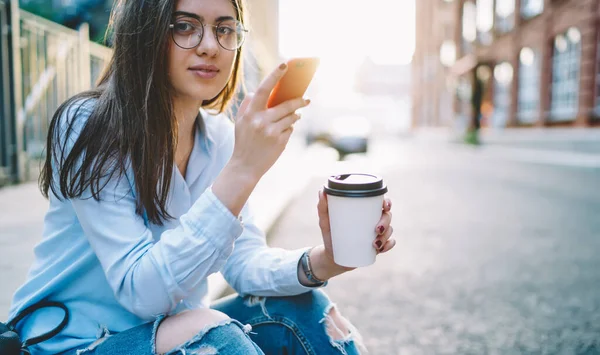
387 205
384 230
387 246
383 238
286 134
287 122
286 108
384 222
266 86
245 103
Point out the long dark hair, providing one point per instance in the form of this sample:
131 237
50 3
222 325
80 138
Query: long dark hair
132 124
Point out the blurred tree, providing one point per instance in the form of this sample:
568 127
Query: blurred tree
72 13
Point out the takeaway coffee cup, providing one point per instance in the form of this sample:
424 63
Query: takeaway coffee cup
355 202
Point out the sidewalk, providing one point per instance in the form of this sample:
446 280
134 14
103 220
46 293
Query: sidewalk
22 210
577 140
570 147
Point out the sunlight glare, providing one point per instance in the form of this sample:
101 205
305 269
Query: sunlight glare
344 33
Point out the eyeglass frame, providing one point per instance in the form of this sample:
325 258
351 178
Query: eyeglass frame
244 31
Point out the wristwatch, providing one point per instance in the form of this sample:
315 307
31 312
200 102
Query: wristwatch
306 267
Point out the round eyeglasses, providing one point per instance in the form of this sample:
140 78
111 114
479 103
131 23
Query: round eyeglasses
188 33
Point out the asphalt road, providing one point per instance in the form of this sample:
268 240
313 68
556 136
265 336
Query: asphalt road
494 256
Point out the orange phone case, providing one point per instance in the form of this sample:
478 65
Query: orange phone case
295 81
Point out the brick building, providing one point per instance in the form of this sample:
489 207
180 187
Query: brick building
517 62
436 29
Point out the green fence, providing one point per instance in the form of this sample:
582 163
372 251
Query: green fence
52 63
7 131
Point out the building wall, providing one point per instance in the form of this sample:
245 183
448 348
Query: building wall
264 32
432 101
538 33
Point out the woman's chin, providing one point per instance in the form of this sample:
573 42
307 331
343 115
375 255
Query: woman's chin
201 96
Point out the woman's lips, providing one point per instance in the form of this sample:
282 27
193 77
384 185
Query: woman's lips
205 71
205 74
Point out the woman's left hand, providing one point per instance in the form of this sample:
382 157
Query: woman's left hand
384 230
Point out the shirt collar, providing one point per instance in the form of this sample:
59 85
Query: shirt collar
203 134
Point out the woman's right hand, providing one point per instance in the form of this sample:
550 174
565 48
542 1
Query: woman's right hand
261 133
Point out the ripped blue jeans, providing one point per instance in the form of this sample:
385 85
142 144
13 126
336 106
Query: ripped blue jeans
258 325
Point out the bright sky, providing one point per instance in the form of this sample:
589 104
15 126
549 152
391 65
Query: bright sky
344 32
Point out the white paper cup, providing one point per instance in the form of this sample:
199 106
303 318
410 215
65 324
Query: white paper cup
355 207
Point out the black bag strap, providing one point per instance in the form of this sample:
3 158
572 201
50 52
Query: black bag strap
29 310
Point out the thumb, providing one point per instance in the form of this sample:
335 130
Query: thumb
323 211
322 206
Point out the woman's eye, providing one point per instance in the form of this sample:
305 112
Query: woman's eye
225 31
184 27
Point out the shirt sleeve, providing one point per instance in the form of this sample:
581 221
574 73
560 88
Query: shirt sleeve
259 270
254 268
149 277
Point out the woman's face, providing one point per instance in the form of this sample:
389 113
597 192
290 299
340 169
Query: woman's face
200 73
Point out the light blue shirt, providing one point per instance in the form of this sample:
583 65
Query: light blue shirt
115 270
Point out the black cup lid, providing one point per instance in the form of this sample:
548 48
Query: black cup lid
355 185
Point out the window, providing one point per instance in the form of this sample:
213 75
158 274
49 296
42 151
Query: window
469 28
485 21
531 8
529 85
565 75
503 76
505 15
448 53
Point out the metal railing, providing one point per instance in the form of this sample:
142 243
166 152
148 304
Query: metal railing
53 63
7 148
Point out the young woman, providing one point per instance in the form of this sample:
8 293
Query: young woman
148 197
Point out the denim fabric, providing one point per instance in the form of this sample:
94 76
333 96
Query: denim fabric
289 325
228 337
259 325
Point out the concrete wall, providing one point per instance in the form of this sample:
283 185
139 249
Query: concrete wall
263 40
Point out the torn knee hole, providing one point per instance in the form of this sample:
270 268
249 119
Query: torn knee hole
337 327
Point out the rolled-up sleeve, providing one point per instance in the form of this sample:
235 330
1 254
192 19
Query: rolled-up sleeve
150 278
254 268
259 270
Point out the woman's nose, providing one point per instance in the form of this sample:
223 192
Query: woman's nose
209 44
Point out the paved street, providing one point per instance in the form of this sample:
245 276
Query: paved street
494 256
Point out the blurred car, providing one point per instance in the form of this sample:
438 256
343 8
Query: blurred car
347 134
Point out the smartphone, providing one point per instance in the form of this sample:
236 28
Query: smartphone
295 81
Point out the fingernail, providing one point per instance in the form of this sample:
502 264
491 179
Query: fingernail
389 205
283 66
378 244
381 229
